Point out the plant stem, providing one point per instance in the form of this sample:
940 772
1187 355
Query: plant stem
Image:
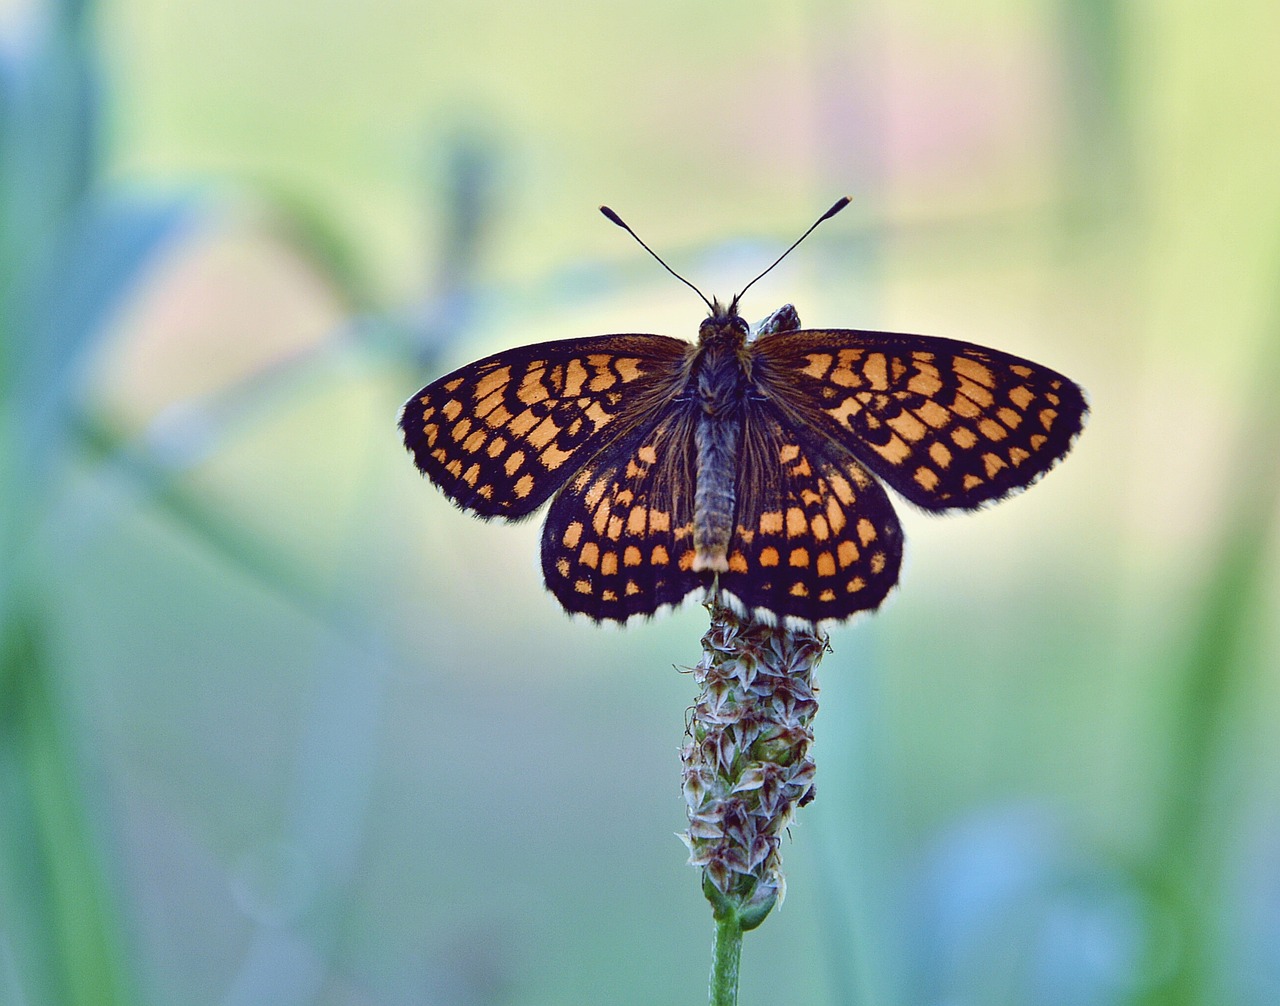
725 958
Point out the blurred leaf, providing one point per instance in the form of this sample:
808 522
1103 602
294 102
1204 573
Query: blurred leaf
53 328
49 143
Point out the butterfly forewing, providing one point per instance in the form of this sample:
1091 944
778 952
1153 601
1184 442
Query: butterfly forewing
501 435
947 424
618 541
816 537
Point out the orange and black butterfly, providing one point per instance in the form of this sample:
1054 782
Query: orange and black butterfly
742 465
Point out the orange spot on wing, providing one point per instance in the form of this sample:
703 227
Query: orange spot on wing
933 414
819 364
552 458
876 371
926 478
493 382
925 381
523 423
545 432
575 375
908 426
992 430
895 451
973 370
835 516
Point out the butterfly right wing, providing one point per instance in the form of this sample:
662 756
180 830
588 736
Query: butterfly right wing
949 425
816 538
501 435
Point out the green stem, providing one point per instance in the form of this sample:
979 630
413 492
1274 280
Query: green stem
725 958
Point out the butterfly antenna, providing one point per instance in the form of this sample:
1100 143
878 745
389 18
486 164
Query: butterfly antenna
840 204
623 224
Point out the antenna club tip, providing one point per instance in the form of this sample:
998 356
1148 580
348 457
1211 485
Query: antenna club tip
612 216
840 204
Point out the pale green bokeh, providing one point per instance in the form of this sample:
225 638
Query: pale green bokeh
337 745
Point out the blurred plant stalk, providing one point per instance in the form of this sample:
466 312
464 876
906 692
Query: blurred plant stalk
69 251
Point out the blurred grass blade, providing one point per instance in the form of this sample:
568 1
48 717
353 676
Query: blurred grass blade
1219 660
59 926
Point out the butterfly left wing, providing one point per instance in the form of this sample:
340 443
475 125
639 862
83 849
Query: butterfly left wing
816 538
949 425
618 541
501 435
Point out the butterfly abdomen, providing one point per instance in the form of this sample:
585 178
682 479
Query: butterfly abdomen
719 382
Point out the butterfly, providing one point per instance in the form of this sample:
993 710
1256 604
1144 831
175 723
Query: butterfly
745 467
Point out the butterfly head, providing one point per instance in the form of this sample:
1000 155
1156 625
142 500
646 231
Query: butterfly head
723 326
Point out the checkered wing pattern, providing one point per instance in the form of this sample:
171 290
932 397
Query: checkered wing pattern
501 435
948 425
816 536
618 541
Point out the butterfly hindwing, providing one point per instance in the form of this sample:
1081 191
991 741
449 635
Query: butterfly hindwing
618 541
947 424
501 435
816 538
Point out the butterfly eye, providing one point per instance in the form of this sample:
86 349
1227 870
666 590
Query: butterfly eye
740 325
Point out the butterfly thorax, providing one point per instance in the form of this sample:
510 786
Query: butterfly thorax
719 381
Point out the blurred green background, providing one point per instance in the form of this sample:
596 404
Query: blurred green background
278 725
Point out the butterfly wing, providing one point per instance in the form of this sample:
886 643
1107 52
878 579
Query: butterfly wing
816 538
947 424
501 435
618 541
